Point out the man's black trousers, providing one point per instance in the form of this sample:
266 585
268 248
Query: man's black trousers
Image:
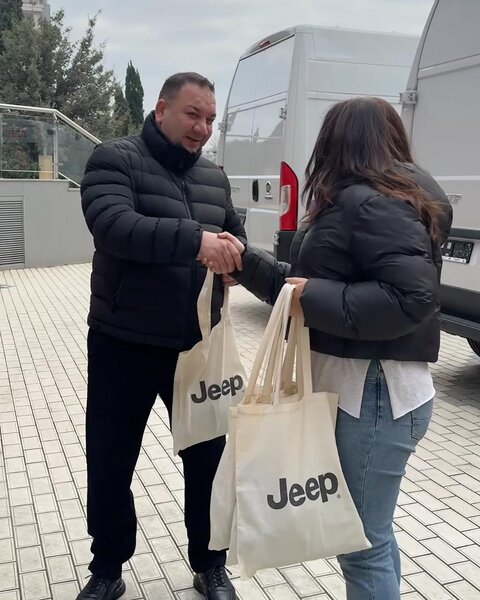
123 381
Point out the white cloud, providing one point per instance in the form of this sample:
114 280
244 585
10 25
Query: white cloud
162 37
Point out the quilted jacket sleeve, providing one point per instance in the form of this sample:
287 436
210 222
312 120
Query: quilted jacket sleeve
399 286
262 274
109 209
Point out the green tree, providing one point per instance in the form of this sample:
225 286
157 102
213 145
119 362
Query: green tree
56 53
87 89
134 95
121 113
10 13
20 81
40 66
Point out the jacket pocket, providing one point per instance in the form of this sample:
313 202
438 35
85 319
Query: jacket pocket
421 417
118 292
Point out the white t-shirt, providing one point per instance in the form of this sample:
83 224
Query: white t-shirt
409 383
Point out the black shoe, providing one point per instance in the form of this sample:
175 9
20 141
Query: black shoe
99 588
214 584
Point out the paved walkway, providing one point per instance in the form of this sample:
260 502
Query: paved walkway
44 546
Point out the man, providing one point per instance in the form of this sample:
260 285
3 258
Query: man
154 207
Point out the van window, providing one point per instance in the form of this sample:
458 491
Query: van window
238 140
254 138
263 74
267 138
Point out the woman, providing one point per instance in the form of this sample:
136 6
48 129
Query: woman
366 264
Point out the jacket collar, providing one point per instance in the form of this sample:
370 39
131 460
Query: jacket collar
349 180
173 157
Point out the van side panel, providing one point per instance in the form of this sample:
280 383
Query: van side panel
364 47
445 134
446 141
353 79
335 65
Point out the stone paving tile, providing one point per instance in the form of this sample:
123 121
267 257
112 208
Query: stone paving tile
44 545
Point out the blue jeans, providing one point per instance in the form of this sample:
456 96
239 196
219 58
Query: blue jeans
374 450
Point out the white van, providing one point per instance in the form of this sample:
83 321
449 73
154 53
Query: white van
442 114
282 87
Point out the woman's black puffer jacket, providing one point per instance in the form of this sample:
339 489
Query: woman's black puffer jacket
373 271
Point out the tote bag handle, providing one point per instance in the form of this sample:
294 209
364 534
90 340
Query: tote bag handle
204 304
270 350
298 347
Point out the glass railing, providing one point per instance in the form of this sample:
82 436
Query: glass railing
42 143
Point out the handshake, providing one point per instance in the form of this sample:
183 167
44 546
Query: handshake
221 253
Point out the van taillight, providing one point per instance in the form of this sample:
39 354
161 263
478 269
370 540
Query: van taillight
288 198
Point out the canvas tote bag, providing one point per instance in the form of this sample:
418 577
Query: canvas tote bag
223 498
209 378
291 500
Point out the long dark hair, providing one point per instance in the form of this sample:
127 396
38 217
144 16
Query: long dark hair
363 140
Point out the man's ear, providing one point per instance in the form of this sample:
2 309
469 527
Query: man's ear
160 110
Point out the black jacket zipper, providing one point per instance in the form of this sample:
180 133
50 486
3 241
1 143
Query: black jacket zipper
184 196
193 279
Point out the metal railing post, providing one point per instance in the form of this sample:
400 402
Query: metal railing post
55 146
1 145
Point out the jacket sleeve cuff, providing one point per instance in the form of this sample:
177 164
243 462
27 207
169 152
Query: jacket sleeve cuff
190 238
322 304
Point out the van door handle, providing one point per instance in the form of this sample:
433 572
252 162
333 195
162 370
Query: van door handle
255 190
268 189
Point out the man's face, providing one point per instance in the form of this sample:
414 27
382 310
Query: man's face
187 118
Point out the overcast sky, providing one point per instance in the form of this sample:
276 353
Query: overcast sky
162 37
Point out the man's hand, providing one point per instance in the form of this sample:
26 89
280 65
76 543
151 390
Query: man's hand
219 255
299 283
225 235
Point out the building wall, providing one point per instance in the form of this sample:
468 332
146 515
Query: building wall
42 224
37 9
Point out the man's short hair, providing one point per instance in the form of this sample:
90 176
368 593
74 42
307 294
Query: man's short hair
175 82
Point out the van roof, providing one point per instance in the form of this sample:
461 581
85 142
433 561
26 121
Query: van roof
286 33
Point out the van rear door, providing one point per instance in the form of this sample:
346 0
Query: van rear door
252 143
236 158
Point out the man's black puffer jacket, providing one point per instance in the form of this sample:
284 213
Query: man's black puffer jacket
373 275
147 202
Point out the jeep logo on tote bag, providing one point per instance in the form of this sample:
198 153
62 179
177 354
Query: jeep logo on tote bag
215 392
209 378
322 487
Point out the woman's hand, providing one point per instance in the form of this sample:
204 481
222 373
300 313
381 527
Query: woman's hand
299 283
228 281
